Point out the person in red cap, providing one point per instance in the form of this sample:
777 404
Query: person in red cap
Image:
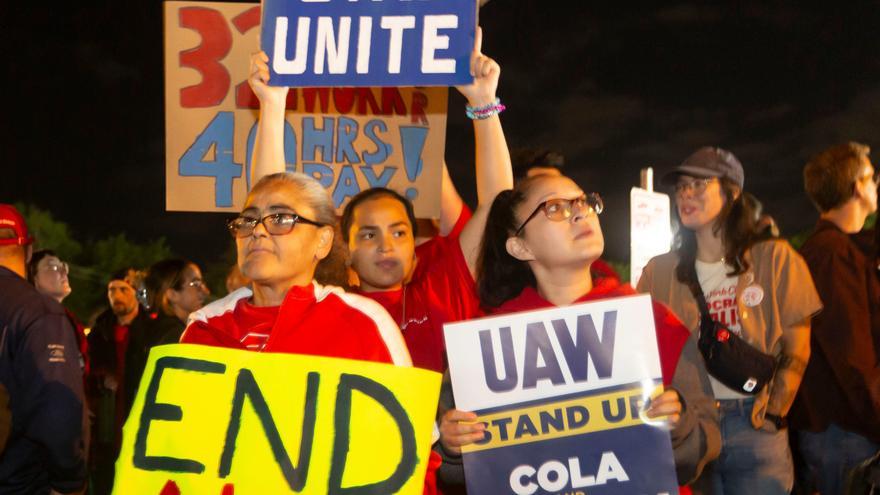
40 367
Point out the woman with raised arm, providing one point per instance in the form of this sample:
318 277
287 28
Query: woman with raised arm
379 225
541 239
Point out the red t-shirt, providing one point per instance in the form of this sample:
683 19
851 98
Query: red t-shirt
428 250
442 290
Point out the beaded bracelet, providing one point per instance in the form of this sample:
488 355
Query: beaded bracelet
485 111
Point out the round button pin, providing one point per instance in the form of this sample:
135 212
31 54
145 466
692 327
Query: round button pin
752 295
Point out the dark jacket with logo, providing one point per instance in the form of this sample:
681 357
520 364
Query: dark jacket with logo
40 367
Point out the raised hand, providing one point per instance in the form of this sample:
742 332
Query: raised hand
486 73
269 96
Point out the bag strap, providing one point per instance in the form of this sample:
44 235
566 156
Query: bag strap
697 292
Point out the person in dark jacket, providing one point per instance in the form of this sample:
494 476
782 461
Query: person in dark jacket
837 410
49 275
108 343
40 368
174 290
5 417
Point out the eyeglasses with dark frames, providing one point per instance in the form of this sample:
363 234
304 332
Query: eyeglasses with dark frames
559 209
275 224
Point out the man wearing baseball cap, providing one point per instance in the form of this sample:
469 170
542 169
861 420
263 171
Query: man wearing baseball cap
39 366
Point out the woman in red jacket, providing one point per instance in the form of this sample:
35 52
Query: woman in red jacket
283 236
541 239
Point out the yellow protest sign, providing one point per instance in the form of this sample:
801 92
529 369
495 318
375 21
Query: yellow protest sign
219 421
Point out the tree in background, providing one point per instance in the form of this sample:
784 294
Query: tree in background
91 263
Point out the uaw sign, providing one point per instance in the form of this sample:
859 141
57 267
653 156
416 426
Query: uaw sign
562 393
369 42
218 421
347 138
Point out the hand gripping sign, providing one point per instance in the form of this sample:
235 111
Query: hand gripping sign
369 42
221 421
348 138
562 393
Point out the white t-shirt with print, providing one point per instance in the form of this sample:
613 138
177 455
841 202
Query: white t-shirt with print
720 292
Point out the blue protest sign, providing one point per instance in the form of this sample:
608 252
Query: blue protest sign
368 42
562 393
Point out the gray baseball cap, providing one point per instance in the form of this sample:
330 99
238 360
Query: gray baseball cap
708 162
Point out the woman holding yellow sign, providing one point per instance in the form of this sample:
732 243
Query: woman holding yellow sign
284 233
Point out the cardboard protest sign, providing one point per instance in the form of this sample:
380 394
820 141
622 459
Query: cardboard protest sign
369 42
562 393
218 421
349 139
650 229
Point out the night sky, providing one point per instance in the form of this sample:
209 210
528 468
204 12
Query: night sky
614 87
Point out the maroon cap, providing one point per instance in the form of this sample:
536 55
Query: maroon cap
11 219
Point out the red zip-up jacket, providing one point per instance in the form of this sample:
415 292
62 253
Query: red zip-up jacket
314 320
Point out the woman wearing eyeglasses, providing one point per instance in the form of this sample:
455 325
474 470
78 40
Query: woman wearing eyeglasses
540 240
761 291
174 290
50 277
283 236
49 274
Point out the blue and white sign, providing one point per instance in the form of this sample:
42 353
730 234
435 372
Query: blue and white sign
369 42
562 393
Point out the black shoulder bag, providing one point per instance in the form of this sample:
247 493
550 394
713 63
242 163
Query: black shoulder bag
729 358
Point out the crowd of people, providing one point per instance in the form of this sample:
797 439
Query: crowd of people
362 287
